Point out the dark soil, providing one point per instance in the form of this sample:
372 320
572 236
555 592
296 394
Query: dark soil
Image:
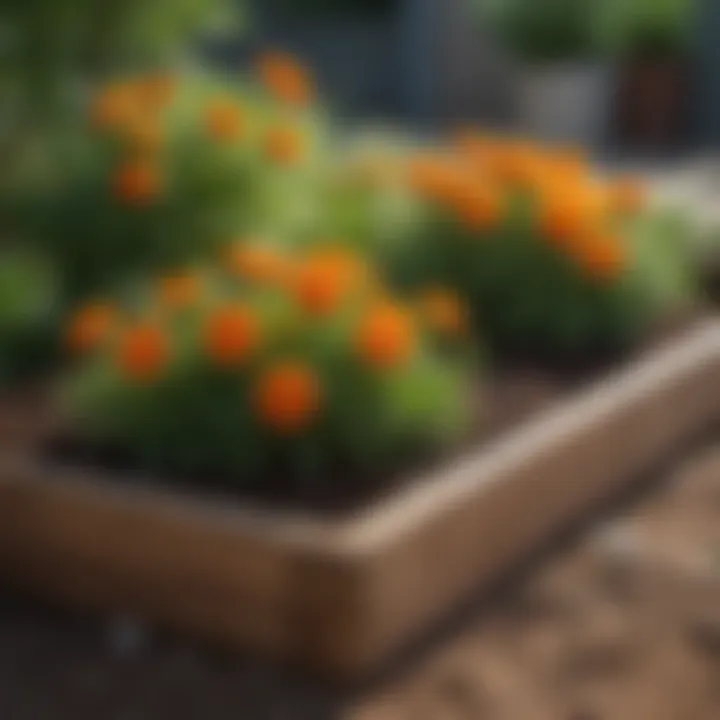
515 393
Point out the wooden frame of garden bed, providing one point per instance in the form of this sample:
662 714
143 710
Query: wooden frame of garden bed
340 596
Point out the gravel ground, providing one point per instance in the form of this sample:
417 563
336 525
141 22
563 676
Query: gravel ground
622 624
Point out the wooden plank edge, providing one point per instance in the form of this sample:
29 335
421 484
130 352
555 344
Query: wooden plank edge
338 597
449 534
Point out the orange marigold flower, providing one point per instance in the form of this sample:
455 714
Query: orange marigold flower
444 312
144 135
569 211
570 164
225 120
386 337
328 276
478 205
156 91
627 196
436 177
90 327
180 290
285 145
138 182
286 79
258 263
231 334
321 284
288 397
113 107
602 257
479 151
520 164
144 352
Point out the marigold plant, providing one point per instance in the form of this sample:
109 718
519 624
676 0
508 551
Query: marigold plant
164 170
553 259
325 371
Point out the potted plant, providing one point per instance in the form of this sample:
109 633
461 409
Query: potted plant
562 91
653 39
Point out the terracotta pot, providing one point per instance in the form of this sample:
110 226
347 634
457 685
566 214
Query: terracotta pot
651 109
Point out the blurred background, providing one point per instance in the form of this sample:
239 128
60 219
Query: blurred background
644 70
637 76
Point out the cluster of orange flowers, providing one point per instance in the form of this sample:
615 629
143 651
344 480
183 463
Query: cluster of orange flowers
288 394
577 212
133 110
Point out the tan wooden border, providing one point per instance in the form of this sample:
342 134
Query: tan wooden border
340 596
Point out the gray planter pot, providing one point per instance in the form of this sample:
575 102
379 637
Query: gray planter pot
564 103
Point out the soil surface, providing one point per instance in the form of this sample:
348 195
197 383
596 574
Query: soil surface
621 622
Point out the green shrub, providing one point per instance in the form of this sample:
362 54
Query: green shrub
51 50
550 30
653 29
301 362
165 170
554 263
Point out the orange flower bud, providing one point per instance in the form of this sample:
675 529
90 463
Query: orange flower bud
232 333
478 205
285 78
326 278
445 312
179 291
259 264
288 397
144 352
138 182
386 337
285 145
113 107
602 257
157 91
436 177
144 136
569 211
225 120
90 327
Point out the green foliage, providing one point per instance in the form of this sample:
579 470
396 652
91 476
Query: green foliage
359 196
209 189
548 30
51 51
201 413
707 262
649 28
28 314
591 290
53 41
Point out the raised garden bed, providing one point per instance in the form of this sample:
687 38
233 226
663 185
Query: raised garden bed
340 591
